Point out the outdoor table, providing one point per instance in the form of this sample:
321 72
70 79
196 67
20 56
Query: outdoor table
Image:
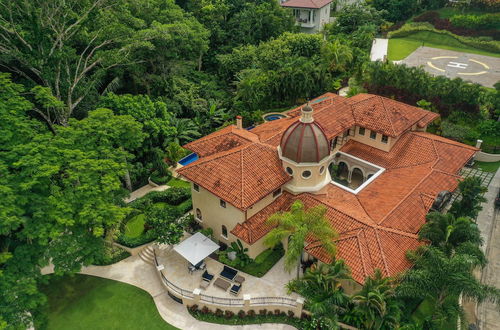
221 283
239 279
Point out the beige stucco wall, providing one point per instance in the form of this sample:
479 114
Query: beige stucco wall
377 143
214 216
320 176
489 158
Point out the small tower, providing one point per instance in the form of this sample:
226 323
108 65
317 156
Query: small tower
305 153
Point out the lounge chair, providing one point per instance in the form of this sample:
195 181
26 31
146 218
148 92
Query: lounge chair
228 273
235 289
206 276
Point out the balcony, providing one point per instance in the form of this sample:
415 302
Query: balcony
305 18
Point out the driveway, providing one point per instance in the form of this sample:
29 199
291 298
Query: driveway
484 70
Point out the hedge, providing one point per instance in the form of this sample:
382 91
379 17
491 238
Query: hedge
136 241
172 196
411 28
477 22
111 255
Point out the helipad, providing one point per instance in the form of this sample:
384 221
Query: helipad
484 70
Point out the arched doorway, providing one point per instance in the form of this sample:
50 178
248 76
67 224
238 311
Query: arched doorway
343 170
357 178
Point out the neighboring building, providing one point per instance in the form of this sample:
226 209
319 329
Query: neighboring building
386 171
311 15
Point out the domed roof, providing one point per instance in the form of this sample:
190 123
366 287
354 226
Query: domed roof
305 141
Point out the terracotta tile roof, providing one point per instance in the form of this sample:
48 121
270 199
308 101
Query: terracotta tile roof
225 139
240 176
306 3
378 225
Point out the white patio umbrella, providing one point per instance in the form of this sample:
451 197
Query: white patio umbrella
196 248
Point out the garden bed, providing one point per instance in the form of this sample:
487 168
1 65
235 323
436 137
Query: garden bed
262 263
111 255
251 317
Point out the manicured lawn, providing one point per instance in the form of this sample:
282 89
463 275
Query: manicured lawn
488 167
178 183
262 263
135 226
400 48
88 302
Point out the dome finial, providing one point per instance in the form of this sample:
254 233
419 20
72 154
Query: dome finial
307 113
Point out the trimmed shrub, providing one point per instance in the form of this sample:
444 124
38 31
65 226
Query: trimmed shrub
411 28
291 314
111 255
476 22
136 241
160 179
228 314
251 313
173 196
219 312
193 308
242 314
263 312
205 310
277 312
270 313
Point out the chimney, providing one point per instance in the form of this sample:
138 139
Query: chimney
239 122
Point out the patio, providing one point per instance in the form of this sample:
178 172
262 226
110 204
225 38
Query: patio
270 285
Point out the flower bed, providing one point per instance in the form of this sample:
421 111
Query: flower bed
250 317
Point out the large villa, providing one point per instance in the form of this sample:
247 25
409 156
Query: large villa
367 159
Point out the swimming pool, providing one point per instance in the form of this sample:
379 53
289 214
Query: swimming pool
274 116
188 159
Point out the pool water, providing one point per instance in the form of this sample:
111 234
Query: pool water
188 159
273 117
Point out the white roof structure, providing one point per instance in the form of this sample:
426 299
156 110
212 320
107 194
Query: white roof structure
196 248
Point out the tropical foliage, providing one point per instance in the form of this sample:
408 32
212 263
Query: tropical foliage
300 227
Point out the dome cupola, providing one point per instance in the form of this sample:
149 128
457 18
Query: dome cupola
305 141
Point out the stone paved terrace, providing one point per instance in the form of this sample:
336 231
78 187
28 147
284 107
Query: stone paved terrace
271 284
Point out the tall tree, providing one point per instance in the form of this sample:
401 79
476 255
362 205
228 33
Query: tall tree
376 303
299 226
447 232
471 197
441 280
321 286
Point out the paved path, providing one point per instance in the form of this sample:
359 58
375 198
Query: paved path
143 191
140 274
379 49
481 69
489 223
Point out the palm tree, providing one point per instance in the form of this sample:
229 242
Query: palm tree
441 279
338 55
185 130
299 226
447 232
376 302
321 287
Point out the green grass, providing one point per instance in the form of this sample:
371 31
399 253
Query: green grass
88 302
178 183
264 262
400 48
488 167
135 226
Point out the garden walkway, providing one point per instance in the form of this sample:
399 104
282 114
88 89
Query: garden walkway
136 272
143 191
488 221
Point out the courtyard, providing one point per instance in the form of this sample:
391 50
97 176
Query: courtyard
484 70
272 284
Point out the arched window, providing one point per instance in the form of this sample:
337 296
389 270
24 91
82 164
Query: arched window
198 214
224 231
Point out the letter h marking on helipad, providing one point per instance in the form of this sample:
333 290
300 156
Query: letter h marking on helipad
457 65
